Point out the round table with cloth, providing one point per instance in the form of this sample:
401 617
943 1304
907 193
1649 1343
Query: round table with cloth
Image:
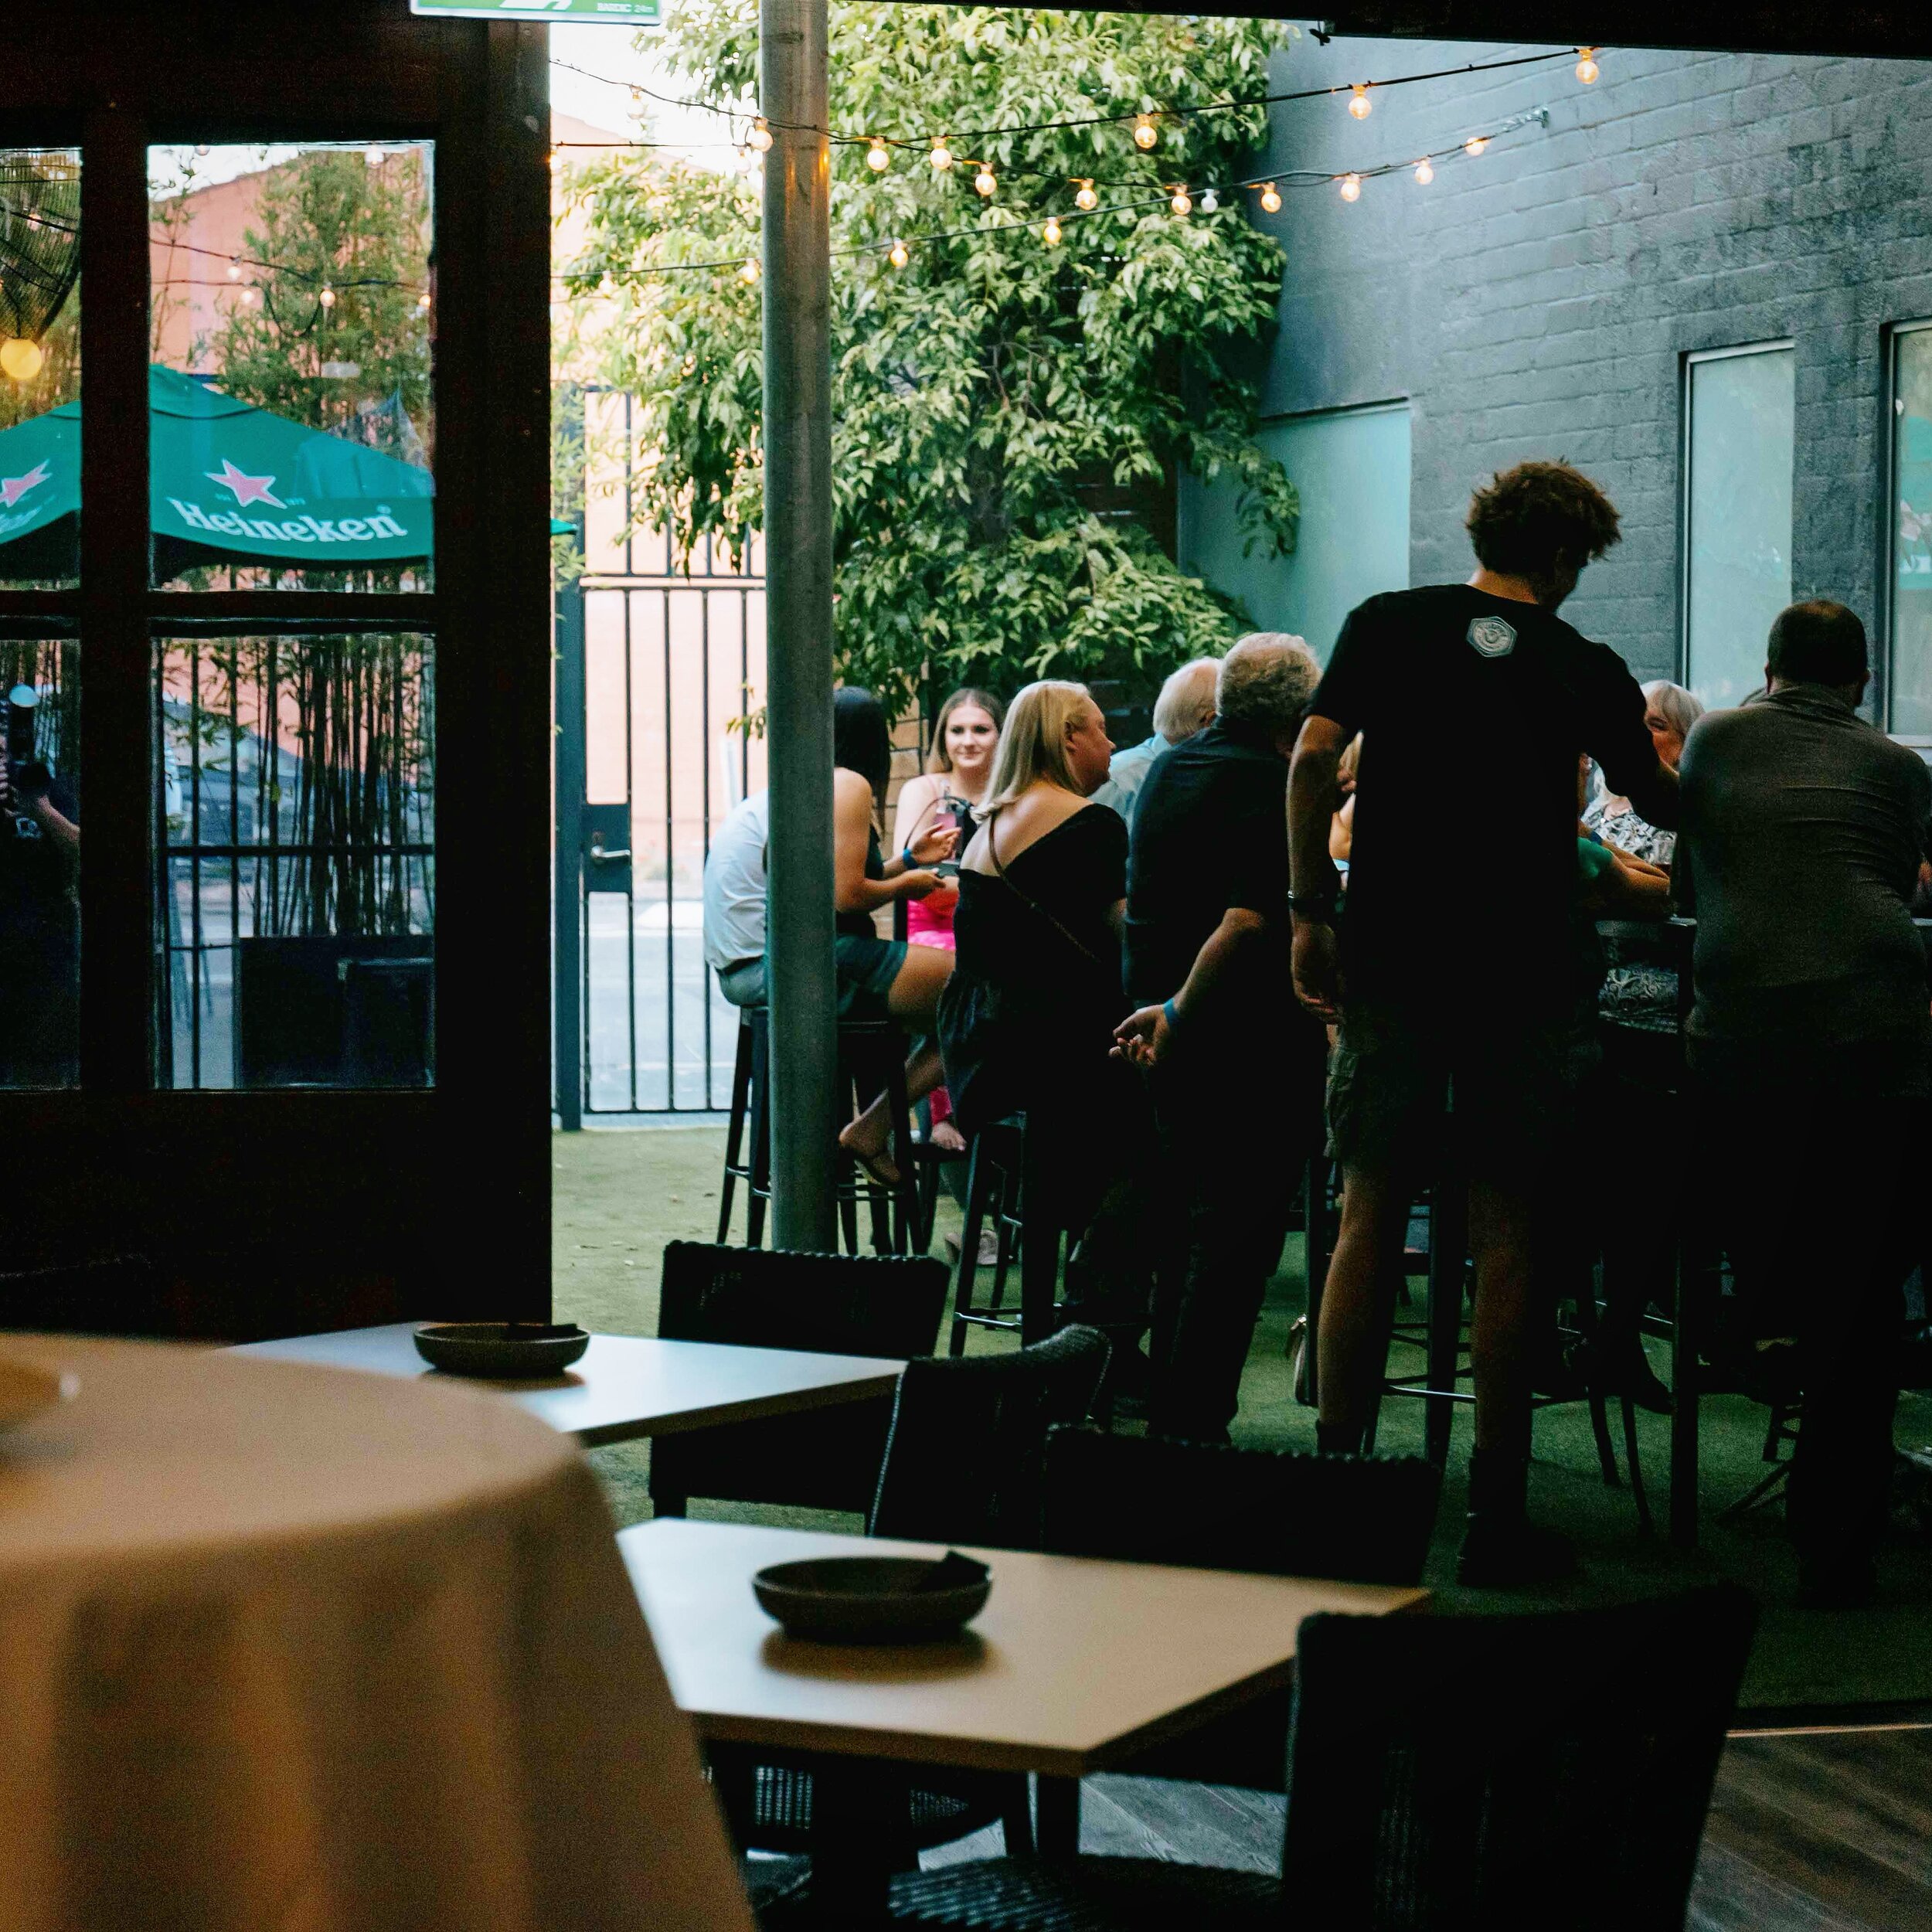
298 1648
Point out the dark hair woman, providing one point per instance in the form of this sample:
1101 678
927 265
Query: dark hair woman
880 978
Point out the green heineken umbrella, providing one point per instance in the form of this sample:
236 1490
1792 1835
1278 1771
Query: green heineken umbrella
228 483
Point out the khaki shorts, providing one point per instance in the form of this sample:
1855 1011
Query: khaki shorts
1507 1091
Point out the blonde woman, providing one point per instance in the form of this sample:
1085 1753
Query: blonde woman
1026 1022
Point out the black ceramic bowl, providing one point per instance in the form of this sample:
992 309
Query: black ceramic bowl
866 1600
526 1353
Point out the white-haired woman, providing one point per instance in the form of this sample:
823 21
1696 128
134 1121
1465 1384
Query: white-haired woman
1669 712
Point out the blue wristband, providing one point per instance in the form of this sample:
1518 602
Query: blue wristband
1169 1014
906 859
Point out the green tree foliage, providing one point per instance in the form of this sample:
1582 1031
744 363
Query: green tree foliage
328 220
1005 410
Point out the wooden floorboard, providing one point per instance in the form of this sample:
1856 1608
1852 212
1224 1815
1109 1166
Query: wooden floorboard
1812 1831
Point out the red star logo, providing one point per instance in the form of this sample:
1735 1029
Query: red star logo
248 489
12 488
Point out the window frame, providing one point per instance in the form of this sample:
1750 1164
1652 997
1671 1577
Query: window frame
1887 601
1691 361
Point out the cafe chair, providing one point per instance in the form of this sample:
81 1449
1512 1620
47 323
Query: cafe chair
962 1465
874 1305
1363 1519
1548 1770
963 1462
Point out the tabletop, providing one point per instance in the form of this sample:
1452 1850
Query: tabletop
1073 1666
284 1646
624 1386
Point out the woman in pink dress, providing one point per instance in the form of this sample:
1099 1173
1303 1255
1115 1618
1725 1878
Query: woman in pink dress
965 736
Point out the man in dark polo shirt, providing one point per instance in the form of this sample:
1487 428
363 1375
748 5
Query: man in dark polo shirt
1452 976
1237 1080
1802 833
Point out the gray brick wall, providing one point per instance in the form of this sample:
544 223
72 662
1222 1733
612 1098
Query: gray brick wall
1538 300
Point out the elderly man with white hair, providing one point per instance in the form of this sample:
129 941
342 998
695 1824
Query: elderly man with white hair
1237 1069
1185 706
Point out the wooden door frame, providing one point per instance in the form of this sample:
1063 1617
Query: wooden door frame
271 1212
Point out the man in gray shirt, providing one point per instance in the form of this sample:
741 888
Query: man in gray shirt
1802 833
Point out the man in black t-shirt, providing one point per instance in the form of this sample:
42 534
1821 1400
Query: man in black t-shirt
1237 1083
1439 993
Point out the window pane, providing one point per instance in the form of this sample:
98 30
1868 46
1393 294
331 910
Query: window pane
39 367
1912 536
292 328
1351 469
40 865
296 871
1741 423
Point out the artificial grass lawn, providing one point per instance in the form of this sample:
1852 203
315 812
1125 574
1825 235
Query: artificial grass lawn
619 1195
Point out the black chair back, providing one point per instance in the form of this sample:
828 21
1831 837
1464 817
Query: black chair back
963 1460
886 1306
1553 1769
1365 1519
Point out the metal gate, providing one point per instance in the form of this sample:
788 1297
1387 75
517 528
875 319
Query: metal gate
660 672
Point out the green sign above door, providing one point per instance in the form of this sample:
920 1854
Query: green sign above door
618 13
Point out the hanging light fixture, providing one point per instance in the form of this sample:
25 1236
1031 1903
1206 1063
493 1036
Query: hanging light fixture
1351 187
898 254
1424 173
21 358
984 181
760 137
1271 200
941 156
1475 143
326 298
1359 104
1210 201
1145 134
1050 232
876 157
1586 68
749 273
1181 202
1086 198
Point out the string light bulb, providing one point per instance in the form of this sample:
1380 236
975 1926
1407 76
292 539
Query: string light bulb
234 268
1586 68
876 157
326 298
1086 198
1050 234
422 301
1181 202
1351 187
760 137
749 273
1475 143
251 296
201 147
985 180
942 156
898 254
1359 104
373 157
1271 200
21 358
1210 201
1145 134
556 161
1424 173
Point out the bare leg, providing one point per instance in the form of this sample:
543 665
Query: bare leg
1353 1337
914 1002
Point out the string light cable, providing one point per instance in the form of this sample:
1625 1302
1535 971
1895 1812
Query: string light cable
1148 119
589 281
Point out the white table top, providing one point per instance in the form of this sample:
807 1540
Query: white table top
280 1646
624 1386
1074 1665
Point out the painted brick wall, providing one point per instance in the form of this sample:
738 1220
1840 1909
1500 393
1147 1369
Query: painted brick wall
1537 301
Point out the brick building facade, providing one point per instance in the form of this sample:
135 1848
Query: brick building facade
1542 299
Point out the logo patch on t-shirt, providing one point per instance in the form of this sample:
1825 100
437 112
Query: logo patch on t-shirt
1492 637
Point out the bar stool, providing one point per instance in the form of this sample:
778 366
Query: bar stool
1000 1164
872 1060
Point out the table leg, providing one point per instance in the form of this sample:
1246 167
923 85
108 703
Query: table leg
1056 1817
1448 1251
858 1840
